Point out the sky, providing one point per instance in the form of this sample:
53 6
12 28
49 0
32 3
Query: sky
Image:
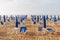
29 7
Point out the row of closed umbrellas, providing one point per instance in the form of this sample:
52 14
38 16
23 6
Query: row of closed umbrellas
35 18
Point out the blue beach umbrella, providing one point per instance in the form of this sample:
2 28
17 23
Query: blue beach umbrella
34 19
44 21
46 17
5 18
50 17
17 22
24 17
55 19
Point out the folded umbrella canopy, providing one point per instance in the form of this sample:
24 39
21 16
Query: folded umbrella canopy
24 17
50 17
46 17
5 17
12 18
58 17
17 22
54 19
44 21
34 19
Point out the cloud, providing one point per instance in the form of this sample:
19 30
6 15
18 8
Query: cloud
29 7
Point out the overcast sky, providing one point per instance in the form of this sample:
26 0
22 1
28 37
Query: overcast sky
37 7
